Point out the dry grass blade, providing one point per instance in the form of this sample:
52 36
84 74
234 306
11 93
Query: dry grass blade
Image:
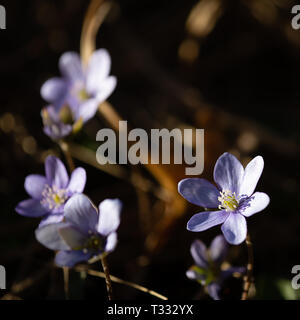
96 13
118 280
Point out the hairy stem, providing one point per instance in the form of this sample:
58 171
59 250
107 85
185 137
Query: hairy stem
248 278
107 277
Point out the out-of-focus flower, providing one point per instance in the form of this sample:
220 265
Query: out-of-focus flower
84 233
75 97
54 127
49 193
234 197
207 268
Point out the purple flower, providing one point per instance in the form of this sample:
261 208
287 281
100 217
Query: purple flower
233 197
50 193
84 233
54 127
207 269
75 97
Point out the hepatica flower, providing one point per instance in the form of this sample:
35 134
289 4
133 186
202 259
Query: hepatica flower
49 193
207 269
75 97
233 197
85 232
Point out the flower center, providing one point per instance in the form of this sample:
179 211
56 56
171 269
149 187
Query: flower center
53 197
83 95
65 115
206 276
94 243
228 201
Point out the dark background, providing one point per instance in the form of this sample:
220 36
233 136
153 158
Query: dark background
239 80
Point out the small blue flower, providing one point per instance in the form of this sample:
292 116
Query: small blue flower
207 269
84 233
234 197
49 193
75 97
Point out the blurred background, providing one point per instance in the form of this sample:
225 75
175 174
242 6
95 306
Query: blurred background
229 67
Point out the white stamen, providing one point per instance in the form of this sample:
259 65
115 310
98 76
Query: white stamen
229 200
53 197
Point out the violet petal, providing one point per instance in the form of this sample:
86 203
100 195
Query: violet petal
199 192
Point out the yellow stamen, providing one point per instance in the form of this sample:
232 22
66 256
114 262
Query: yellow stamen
83 95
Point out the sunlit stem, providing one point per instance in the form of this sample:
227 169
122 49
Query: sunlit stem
118 280
65 149
66 282
107 276
249 276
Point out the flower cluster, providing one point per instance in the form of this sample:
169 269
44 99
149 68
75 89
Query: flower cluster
70 222
78 231
84 233
207 269
75 97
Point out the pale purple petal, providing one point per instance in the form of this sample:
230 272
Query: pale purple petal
87 109
54 90
193 275
52 113
205 220
56 172
51 219
218 249
199 192
199 254
256 203
34 185
213 290
111 242
31 208
98 69
252 174
57 131
77 180
70 258
49 236
230 271
109 216
80 212
235 228
72 237
71 67
228 173
106 88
